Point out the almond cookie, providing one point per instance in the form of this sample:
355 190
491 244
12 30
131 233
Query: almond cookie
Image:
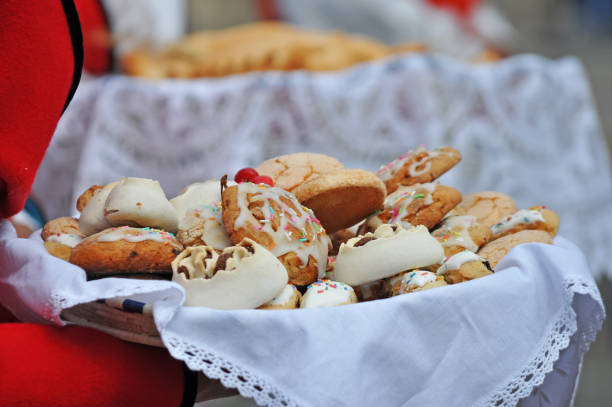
342 198
242 276
495 250
386 252
464 266
200 221
275 219
414 280
92 218
423 204
289 298
417 167
61 235
127 252
489 207
536 217
289 171
327 293
457 233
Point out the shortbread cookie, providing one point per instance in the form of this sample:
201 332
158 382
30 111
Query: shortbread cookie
92 218
328 293
86 196
140 202
200 221
342 198
536 217
289 298
291 170
457 233
127 252
489 207
464 266
242 276
414 280
61 235
275 219
386 252
423 204
418 166
495 250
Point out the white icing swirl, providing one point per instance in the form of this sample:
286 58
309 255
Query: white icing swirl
455 231
456 261
67 239
386 172
327 293
522 217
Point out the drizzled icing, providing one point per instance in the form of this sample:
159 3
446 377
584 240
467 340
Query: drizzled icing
455 231
456 261
135 235
284 296
313 241
522 217
396 205
411 280
67 239
388 171
327 293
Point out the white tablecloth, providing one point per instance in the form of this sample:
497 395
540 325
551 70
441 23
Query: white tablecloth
487 342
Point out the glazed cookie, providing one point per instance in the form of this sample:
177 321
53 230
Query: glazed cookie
86 196
464 266
536 217
328 293
289 298
489 207
275 219
457 233
289 171
60 236
386 252
495 250
200 222
242 276
140 202
414 280
92 218
417 167
342 198
423 204
127 252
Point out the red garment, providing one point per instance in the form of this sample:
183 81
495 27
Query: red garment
97 42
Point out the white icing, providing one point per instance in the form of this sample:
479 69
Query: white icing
327 293
67 239
135 235
412 280
388 171
456 261
140 202
92 218
283 298
455 231
303 219
522 217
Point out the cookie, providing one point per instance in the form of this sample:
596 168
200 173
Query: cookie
127 252
342 198
495 250
457 233
241 277
464 266
92 219
86 196
386 252
374 290
489 207
536 217
418 166
289 298
414 280
61 235
328 293
422 204
275 219
200 222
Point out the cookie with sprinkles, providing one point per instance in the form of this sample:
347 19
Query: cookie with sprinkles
414 280
458 233
463 266
418 166
274 218
127 252
61 235
536 217
328 293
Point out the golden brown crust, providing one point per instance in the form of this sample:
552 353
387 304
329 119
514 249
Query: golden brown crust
489 207
63 225
494 251
467 271
479 233
86 196
58 250
550 224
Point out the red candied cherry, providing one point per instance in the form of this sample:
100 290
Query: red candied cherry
246 175
263 179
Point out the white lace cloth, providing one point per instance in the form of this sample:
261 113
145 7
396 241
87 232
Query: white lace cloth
495 338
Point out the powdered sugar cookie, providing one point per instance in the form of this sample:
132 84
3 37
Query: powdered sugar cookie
489 207
414 280
289 298
495 250
327 293
457 233
536 217
464 266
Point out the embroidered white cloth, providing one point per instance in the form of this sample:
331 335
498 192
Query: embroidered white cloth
496 338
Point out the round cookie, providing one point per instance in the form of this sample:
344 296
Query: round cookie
127 252
489 207
464 266
386 252
423 204
275 219
92 218
418 166
327 293
241 277
289 171
289 298
536 217
457 233
495 250
414 280
343 197
60 236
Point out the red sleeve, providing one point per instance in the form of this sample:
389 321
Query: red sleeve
40 70
74 366
97 44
